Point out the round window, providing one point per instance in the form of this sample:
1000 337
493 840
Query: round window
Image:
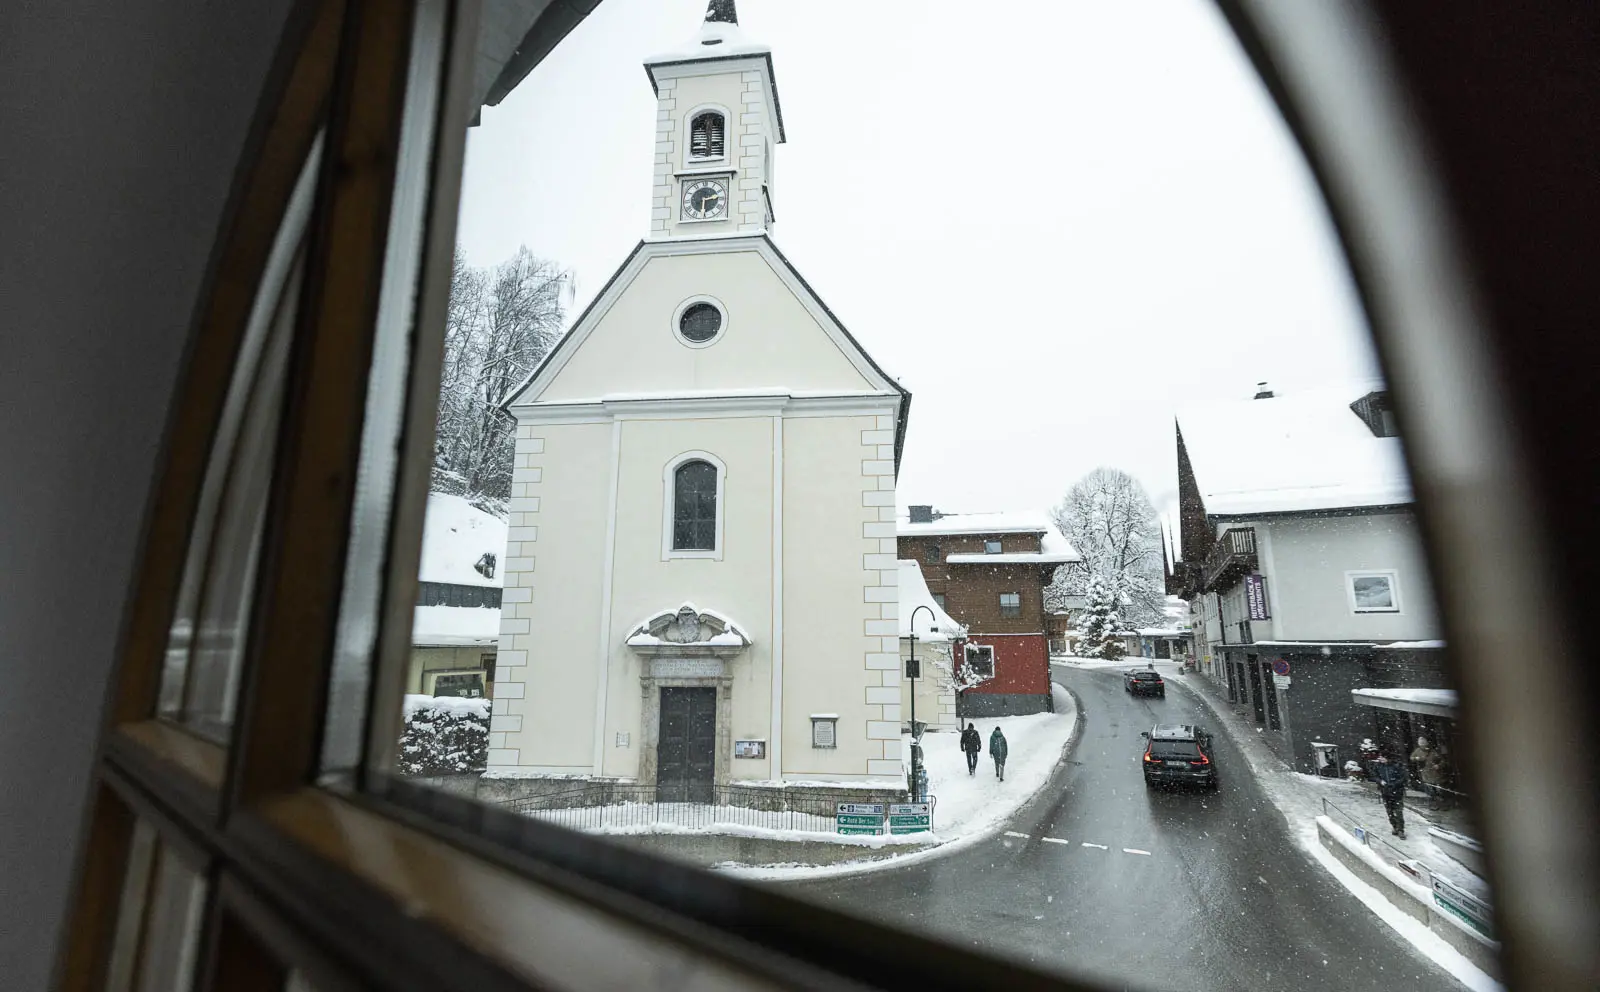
700 322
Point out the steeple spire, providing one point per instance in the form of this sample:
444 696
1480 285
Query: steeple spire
722 11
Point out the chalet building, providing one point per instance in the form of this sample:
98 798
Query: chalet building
989 571
455 630
1299 554
701 580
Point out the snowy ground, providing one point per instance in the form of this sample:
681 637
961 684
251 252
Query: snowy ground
967 808
1300 799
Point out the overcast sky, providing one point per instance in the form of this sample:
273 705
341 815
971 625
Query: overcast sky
1055 222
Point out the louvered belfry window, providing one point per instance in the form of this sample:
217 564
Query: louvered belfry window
694 510
706 136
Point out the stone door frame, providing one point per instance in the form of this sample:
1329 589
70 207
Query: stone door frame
685 673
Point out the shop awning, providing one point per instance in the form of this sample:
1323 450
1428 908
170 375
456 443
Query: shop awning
1428 702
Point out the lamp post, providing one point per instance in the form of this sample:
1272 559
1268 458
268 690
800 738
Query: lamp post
912 671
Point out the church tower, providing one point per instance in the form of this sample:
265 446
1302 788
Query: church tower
717 120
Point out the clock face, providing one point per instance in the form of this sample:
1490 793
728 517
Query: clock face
705 199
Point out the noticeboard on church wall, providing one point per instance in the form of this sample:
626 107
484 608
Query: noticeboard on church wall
750 749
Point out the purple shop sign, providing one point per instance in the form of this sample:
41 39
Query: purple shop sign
1255 596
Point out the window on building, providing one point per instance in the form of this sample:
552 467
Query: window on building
938 598
694 507
486 661
933 555
706 135
1011 604
991 547
980 660
1373 592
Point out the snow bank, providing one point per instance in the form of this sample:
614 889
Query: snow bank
456 706
455 535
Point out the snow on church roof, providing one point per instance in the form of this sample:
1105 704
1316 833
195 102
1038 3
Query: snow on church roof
1302 451
913 594
455 535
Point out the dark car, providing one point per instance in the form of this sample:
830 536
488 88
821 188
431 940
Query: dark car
1143 680
1179 755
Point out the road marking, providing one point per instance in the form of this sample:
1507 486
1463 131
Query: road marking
1100 846
1135 850
1055 840
1013 833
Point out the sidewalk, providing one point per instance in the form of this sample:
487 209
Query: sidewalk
1348 803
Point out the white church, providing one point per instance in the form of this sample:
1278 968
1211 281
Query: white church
701 578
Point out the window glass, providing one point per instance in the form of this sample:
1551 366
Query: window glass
694 514
991 547
1010 604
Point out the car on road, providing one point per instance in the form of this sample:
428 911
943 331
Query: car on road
1144 681
1179 754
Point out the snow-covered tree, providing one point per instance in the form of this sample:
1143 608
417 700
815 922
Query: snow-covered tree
444 735
1097 628
500 324
1109 519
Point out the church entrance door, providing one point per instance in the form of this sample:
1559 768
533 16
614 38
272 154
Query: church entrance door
687 751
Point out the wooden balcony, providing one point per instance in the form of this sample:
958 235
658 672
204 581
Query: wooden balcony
1233 555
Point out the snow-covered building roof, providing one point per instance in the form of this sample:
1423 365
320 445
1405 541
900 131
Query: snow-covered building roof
1429 702
455 626
1301 451
913 594
455 537
975 523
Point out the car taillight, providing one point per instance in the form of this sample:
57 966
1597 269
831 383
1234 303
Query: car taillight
1147 755
1202 760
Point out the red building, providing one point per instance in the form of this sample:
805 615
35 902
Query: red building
989 571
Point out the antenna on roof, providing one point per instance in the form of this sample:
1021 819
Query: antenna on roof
722 10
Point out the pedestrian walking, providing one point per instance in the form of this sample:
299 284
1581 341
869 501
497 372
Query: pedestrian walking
997 751
1391 778
972 744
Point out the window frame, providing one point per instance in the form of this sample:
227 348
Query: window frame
683 308
993 546
669 499
1388 574
1010 612
986 651
690 159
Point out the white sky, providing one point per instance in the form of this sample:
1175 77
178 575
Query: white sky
1055 222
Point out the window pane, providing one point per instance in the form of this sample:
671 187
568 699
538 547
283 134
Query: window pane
695 507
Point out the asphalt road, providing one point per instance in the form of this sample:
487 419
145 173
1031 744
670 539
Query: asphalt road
1225 898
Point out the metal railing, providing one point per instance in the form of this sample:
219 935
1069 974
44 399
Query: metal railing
621 808
1236 547
1407 863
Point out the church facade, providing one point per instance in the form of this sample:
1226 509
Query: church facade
701 577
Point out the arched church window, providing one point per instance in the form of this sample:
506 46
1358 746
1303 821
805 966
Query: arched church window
706 134
694 507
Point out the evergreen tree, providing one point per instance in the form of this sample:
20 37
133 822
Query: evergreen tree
1097 629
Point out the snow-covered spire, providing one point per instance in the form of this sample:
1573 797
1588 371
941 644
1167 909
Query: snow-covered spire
722 11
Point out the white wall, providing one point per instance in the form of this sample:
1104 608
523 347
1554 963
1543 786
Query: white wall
1305 560
741 93
770 339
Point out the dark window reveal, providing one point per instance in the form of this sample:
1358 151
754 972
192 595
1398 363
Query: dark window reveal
933 554
705 136
991 547
452 594
694 507
700 323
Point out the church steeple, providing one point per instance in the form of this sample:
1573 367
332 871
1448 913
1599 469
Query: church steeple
717 122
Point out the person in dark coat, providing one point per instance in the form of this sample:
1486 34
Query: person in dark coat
972 744
997 751
1391 778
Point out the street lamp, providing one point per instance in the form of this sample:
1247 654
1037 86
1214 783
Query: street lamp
912 671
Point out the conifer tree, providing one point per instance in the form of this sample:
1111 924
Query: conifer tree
1097 630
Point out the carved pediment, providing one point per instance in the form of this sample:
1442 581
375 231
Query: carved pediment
688 630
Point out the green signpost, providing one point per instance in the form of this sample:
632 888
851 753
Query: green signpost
910 818
858 818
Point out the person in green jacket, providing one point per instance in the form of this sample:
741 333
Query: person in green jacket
997 751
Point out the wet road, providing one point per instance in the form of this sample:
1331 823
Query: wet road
1224 898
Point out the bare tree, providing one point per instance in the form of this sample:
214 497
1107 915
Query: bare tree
1109 519
500 324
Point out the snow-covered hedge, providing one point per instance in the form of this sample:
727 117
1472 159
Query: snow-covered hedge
444 735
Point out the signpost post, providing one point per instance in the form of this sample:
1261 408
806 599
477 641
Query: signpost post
859 818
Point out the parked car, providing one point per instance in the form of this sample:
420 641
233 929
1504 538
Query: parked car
1143 680
1179 755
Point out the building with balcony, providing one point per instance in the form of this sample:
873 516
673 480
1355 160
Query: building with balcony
1299 553
989 571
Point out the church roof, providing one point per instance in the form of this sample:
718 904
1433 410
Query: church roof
629 270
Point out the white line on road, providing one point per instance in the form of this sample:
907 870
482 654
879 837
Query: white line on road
1055 840
1013 833
1100 846
1135 850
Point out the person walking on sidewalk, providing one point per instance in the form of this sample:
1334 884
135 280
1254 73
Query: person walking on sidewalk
972 744
1391 778
997 751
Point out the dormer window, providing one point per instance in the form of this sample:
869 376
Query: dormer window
707 133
